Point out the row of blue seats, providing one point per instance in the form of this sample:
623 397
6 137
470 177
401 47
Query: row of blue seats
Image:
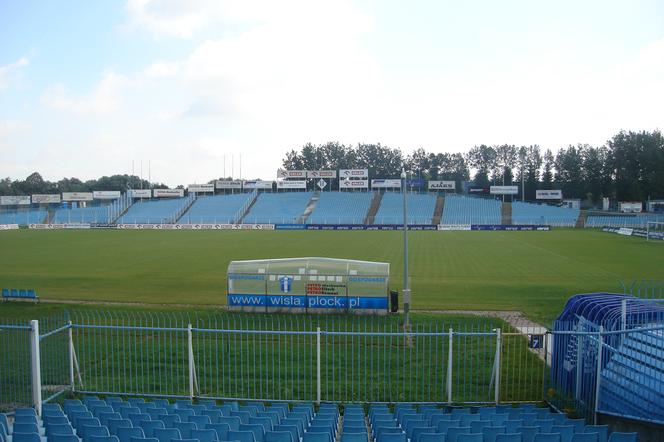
488 424
19 294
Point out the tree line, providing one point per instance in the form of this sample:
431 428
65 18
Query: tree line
628 167
35 184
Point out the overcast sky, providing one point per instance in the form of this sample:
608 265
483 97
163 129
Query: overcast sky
88 86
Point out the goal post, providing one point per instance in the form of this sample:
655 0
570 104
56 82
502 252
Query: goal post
655 231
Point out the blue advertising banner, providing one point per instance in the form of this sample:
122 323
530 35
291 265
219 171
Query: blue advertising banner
290 227
520 228
354 227
312 301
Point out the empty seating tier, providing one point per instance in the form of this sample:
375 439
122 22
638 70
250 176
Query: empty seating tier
134 420
221 209
420 208
528 213
152 211
273 208
23 217
341 208
92 215
470 210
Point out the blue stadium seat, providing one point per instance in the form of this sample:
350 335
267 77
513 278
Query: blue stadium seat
528 433
26 419
25 411
547 437
509 437
103 439
214 415
166 434
469 437
585 437
623 437
433 437
114 424
490 433
257 429
278 208
25 437
292 429
221 429
476 426
420 209
25 428
200 421
86 431
203 435
443 426
169 420
149 427
462 210
392 437
63 438
59 429
566 432
185 428
311 436
602 431
353 437
454 432
241 436
128 434
279 436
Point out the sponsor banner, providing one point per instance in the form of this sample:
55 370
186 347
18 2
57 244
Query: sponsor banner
225 184
201 188
258 184
417 183
285 174
354 173
307 302
625 231
106 194
59 226
197 226
519 227
140 193
21 200
8 226
354 227
478 190
353 184
549 194
442 185
292 184
322 174
77 196
504 190
386 184
454 227
168 193
631 207
45 199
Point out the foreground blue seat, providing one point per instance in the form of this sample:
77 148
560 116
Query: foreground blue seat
166 434
25 437
104 439
87 431
233 422
602 431
127 434
623 437
490 433
25 428
566 432
454 432
547 437
392 437
278 436
432 437
509 437
185 428
292 429
528 433
203 435
311 436
115 424
469 437
63 438
149 427
354 437
241 436
200 421
59 429
585 437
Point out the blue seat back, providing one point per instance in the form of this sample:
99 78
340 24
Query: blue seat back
241 436
547 437
221 429
166 434
126 434
203 435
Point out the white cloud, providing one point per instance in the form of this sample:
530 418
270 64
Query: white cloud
8 71
105 97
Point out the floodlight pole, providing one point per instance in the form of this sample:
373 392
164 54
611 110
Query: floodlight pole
406 288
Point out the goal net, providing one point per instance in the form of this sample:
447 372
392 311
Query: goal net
655 231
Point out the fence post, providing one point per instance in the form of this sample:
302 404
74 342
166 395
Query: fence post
191 362
35 366
71 357
497 376
579 361
318 365
449 367
600 349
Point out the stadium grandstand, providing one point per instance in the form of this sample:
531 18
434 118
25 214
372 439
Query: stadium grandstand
460 210
341 208
158 211
529 213
91 214
216 209
23 216
286 207
420 208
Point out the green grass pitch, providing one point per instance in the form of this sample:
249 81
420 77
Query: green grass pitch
534 272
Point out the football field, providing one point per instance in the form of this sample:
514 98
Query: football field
534 272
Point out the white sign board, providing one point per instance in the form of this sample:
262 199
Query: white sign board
504 190
386 184
258 184
549 194
442 185
140 193
106 194
354 184
201 188
22 200
631 207
354 173
45 199
168 193
235 184
285 174
322 174
77 196
292 184
322 183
